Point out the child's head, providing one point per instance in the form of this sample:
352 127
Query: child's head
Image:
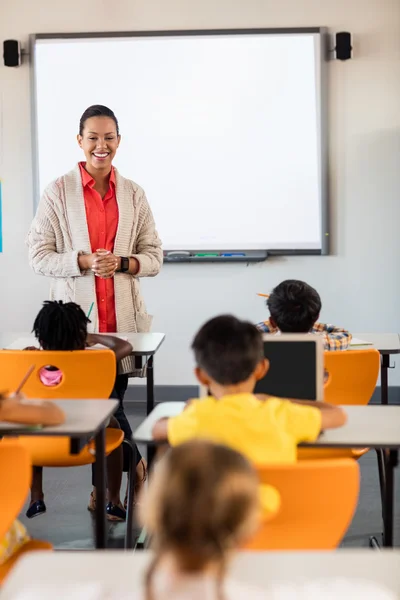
61 326
202 503
229 352
294 306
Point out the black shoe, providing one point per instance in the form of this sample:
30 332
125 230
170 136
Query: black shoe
36 509
115 512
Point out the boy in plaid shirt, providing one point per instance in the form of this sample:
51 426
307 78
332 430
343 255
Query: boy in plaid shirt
294 307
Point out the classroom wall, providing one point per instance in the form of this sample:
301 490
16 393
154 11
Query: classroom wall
359 283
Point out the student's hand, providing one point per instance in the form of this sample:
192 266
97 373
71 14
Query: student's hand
105 264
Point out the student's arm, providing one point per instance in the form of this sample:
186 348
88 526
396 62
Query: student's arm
30 412
179 429
335 338
160 430
331 416
121 348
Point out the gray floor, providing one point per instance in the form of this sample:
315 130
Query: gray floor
68 524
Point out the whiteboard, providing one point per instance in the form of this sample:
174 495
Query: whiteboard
224 131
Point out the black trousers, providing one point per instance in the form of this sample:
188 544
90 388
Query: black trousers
118 393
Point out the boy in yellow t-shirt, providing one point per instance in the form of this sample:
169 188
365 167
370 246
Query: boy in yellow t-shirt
230 360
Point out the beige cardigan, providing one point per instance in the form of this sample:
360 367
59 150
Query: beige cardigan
59 233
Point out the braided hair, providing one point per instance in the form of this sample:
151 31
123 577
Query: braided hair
61 326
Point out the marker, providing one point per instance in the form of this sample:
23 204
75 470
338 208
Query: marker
206 255
178 253
233 254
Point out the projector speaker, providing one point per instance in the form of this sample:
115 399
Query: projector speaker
11 53
343 45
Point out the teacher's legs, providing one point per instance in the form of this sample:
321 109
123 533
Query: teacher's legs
118 393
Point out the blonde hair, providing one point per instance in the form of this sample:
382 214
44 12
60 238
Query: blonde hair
202 503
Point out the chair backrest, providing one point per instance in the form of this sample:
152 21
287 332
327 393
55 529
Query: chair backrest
86 373
15 479
352 376
318 500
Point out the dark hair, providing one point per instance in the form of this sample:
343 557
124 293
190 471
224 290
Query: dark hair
61 326
228 349
294 306
97 110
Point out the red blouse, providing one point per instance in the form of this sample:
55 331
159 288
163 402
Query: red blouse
102 222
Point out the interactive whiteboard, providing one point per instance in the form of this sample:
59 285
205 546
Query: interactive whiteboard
225 130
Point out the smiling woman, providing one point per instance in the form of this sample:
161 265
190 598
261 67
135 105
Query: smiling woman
94 233
94 236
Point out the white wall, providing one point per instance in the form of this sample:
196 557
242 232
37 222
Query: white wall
359 283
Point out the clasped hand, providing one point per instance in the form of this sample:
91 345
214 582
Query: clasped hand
104 264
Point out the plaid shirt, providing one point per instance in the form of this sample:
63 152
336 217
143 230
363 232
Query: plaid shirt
334 337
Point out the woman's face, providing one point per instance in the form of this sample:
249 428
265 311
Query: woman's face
99 141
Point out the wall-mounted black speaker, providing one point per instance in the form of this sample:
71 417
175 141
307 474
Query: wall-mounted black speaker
343 45
11 53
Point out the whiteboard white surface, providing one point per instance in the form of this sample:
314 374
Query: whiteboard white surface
222 131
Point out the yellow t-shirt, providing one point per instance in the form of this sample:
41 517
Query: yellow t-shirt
265 431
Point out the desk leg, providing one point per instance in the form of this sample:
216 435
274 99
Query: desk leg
100 490
150 402
131 492
385 364
150 386
392 462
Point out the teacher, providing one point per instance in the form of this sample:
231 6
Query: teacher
94 236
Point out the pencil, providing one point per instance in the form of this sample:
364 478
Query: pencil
25 379
90 310
263 295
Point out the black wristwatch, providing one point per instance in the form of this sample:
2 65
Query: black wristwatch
124 264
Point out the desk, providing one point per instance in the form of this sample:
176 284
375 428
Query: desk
145 345
85 419
386 344
366 427
260 569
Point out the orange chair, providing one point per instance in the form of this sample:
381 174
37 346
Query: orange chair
318 501
87 374
352 377
15 479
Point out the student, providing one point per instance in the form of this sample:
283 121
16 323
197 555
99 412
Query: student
230 360
201 506
294 307
17 409
63 326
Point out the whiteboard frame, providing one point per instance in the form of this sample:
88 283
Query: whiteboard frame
323 105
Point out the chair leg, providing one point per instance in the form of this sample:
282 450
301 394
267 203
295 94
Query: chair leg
373 543
129 542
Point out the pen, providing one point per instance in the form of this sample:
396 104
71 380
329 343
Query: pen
90 310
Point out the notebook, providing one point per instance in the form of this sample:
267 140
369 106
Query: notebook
358 342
